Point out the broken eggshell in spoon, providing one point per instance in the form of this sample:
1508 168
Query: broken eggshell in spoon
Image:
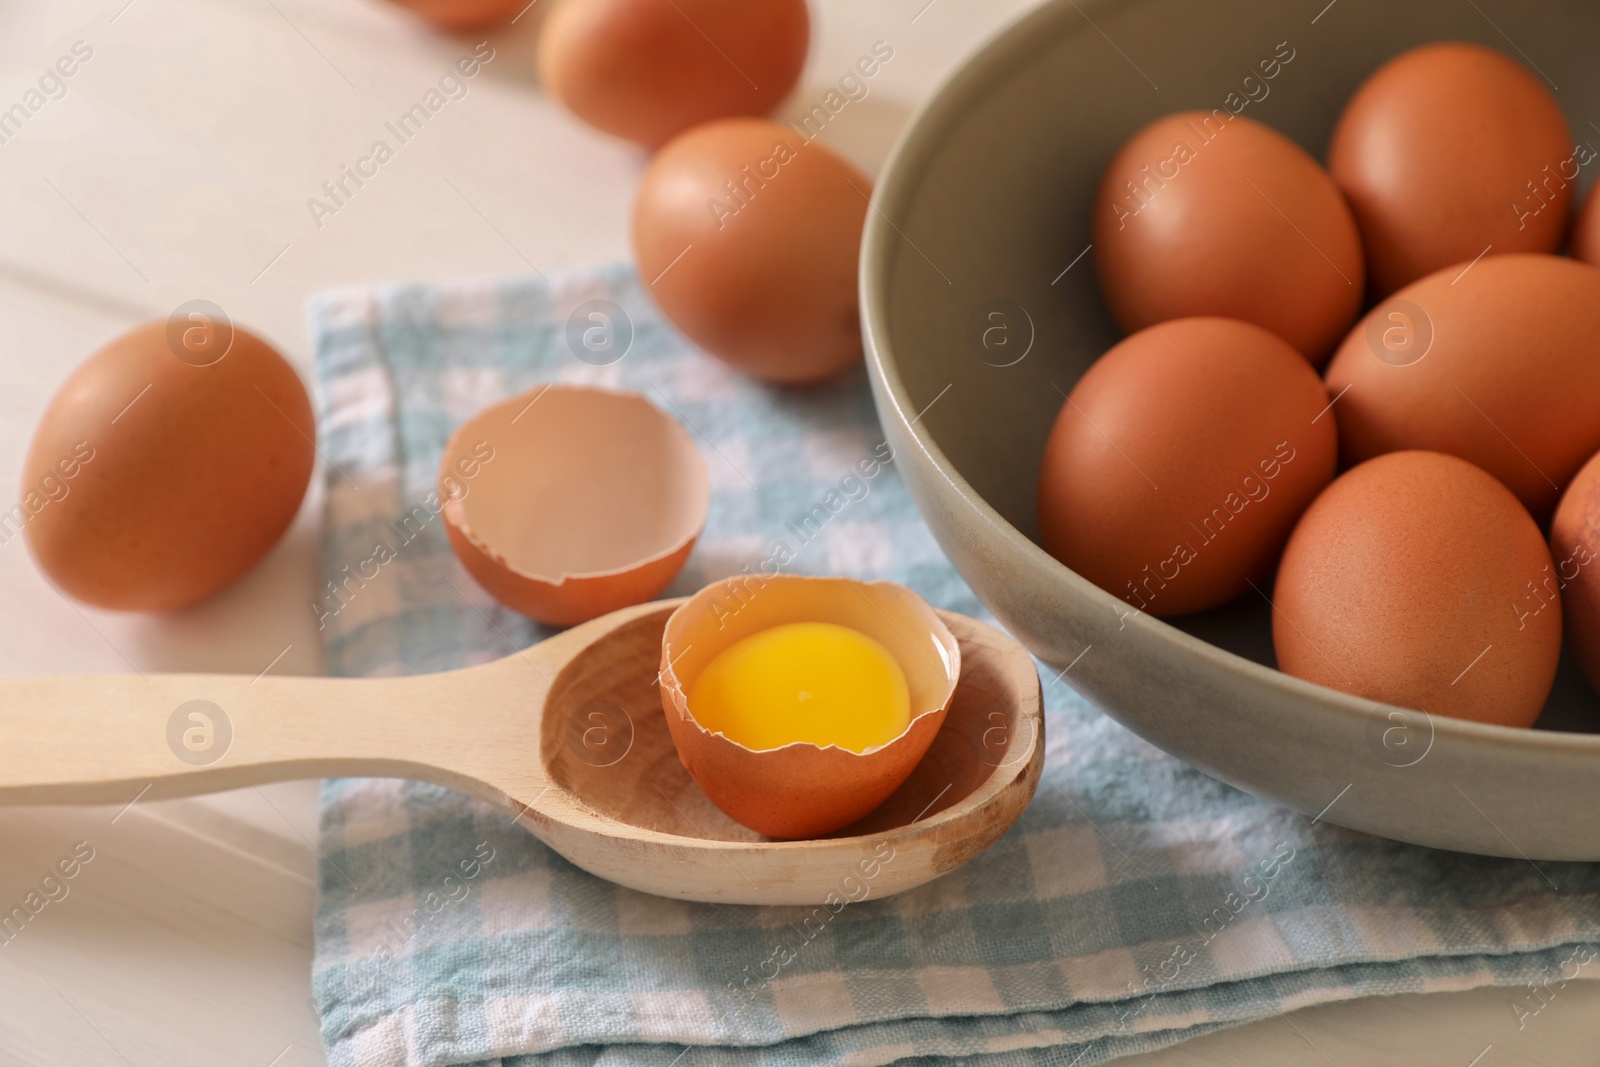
802 790
589 500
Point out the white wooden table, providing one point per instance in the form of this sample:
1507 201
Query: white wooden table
178 165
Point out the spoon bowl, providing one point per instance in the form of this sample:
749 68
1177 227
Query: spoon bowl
567 737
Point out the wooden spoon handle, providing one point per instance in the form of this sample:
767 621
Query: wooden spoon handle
108 739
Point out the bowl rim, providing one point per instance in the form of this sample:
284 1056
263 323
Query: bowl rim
898 183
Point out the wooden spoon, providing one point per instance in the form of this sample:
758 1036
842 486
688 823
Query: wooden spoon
568 737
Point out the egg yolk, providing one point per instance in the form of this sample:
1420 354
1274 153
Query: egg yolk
815 682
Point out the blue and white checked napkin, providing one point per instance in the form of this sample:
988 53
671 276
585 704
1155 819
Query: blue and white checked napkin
1136 904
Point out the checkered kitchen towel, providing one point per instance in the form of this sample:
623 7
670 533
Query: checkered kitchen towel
1137 902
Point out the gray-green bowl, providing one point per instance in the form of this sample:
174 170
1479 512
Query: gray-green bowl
983 211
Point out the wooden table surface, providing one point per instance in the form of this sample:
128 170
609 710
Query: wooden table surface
177 166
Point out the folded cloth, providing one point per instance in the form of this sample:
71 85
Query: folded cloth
1137 903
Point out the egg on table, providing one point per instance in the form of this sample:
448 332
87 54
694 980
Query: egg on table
1211 213
1451 151
1408 582
163 478
1181 460
747 236
646 70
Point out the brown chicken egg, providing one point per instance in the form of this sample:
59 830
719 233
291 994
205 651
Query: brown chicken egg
1408 582
1210 213
1178 465
566 502
155 480
803 788
1451 151
1574 583
1497 362
747 235
646 70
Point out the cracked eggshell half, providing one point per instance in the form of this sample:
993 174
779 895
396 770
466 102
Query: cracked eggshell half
567 502
801 790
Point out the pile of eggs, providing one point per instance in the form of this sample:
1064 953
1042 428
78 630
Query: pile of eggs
1199 459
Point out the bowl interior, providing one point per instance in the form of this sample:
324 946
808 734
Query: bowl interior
605 739
990 308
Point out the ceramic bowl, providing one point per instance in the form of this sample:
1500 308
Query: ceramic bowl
980 307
